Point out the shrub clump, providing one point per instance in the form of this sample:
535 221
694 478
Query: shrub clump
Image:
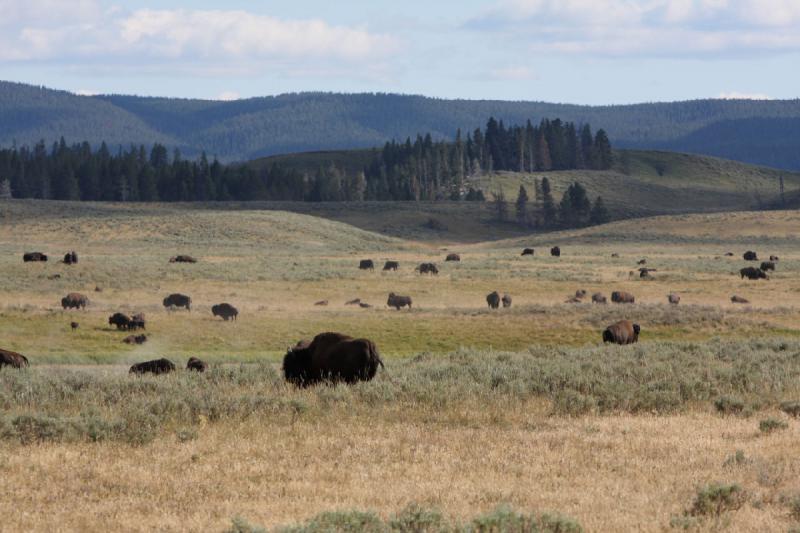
729 405
715 499
791 408
769 425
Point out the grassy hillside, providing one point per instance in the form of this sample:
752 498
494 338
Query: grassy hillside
255 127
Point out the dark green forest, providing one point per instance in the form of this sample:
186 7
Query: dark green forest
420 170
760 132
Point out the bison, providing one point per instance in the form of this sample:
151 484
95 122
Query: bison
137 322
739 300
673 298
331 357
74 300
196 365
120 320
73 325
398 301
12 359
135 339
366 264
178 300
555 251
493 300
506 299
182 259
598 298
753 273
391 265
728 254
622 297
527 251
321 302
70 258
453 257
615 255
364 305
750 256
645 272
767 265
33 257
427 268
156 366
225 310
354 301
773 258
622 332
580 294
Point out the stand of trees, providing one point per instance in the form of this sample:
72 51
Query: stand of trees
574 210
418 170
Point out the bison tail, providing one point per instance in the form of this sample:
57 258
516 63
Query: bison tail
374 355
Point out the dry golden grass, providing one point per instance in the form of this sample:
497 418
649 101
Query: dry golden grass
619 473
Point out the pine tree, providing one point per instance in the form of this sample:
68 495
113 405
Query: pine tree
548 205
599 214
500 206
522 205
603 157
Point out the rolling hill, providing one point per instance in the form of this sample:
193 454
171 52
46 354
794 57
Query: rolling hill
760 132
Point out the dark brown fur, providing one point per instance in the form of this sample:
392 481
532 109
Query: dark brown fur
225 310
493 300
622 332
196 364
398 301
156 366
12 359
366 264
527 251
453 257
178 300
391 265
622 297
74 300
331 357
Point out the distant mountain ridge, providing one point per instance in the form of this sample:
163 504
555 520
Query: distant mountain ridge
765 132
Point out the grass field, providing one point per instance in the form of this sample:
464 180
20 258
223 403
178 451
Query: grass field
477 408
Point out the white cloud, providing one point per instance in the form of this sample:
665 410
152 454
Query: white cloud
87 92
743 96
678 28
227 96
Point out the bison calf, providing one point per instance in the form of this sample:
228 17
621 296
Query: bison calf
506 300
598 298
622 332
196 364
674 299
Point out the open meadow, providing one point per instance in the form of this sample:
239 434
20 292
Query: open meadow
695 427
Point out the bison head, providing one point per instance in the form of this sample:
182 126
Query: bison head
636 330
296 364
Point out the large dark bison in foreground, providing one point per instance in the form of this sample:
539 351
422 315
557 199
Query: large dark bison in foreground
622 297
493 300
156 366
74 300
178 300
622 332
753 273
225 310
331 357
366 264
12 359
34 256
750 256
398 301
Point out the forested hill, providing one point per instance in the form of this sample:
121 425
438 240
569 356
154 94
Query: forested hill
762 132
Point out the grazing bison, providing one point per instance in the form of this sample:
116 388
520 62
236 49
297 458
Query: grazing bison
773 258
354 301
673 298
645 272
453 257
196 365
366 264
321 302
12 359
555 251
506 300
728 254
641 262
156 366
527 251
331 357
137 322
739 300
33 256
120 320
622 332
753 273
391 265
580 294
598 298
750 256
135 339
493 300
73 325
364 305
427 268
74 300
398 301
615 255
178 300
622 297
225 310
70 258
768 265
182 259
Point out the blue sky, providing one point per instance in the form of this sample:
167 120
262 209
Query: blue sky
578 51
